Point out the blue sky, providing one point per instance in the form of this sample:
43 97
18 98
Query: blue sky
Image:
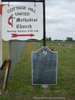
60 19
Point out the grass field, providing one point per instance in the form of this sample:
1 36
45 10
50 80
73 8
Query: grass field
20 83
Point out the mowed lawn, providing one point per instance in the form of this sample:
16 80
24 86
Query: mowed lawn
20 84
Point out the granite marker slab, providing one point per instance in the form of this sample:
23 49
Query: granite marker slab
44 66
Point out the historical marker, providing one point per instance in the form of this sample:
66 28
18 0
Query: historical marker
44 66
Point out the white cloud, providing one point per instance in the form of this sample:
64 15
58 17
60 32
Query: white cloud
60 18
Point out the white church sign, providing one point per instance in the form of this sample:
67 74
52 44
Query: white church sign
22 22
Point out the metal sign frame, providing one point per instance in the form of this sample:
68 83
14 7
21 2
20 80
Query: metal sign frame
22 0
1 34
44 27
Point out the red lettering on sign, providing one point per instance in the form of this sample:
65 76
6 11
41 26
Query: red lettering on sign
14 35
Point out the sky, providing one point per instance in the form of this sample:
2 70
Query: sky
60 19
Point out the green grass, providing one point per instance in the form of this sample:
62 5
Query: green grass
20 84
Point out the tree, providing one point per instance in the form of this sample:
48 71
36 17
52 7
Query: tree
69 39
48 39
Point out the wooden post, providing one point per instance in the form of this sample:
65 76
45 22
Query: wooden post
5 82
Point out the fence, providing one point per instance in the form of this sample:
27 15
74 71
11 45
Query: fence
15 49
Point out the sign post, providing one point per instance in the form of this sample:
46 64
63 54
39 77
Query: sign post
28 22
23 22
44 27
0 34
